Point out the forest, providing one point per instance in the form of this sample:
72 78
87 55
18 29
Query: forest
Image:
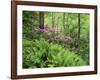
55 39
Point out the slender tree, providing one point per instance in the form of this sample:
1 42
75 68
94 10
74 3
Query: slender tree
64 23
41 20
78 26
57 23
67 24
78 34
53 20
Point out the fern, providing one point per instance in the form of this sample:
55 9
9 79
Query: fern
41 53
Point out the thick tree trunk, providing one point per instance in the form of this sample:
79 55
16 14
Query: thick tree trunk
41 20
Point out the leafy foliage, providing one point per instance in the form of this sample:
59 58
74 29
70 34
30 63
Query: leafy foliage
56 44
41 53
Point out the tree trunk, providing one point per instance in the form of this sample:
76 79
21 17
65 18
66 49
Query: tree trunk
67 25
78 26
53 20
64 25
78 35
41 20
57 23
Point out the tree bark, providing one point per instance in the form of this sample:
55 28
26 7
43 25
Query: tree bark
78 26
67 25
64 25
78 37
41 20
53 20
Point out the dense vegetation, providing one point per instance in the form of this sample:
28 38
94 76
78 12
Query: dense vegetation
52 39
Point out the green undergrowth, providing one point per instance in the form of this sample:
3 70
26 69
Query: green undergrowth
41 54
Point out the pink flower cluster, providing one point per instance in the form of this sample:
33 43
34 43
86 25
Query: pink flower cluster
47 29
66 38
